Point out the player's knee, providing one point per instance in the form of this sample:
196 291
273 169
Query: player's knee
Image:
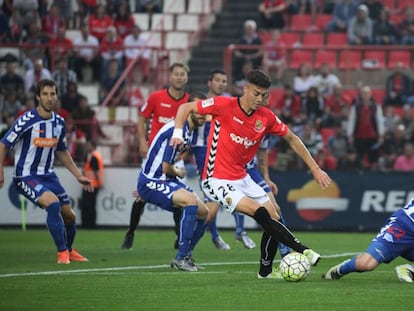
68 215
46 199
365 262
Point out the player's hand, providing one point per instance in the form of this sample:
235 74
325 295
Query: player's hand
322 178
86 182
177 138
273 187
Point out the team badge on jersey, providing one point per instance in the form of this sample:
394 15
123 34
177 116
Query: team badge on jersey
259 127
11 137
229 201
207 102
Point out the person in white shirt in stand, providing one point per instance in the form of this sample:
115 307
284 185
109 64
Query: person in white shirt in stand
33 76
86 53
136 46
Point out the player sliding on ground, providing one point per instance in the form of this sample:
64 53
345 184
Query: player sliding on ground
237 129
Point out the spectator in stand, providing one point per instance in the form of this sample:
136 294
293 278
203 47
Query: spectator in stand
272 14
309 7
239 82
352 161
29 104
313 106
43 8
86 8
70 98
375 8
398 87
86 53
303 80
25 12
405 28
312 139
136 49
366 127
328 6
99 22
52 21
325 81
123 20
33 76
34 46
343 12
360 29
65 8
61 111
112 48
405 161
337 101
391 119
338 144
108 82
61 46
10 106
325 159
408 121
5 31
9 154
62 75
76 140
250 38
148 6
85 120
289 106
393 146
384 31
10 80
274 56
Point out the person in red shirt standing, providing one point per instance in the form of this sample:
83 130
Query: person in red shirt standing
123 20
99 22
60 46
237 129
161 107
52 22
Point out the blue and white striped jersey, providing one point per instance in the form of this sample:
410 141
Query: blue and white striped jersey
263 145
160 151
35 140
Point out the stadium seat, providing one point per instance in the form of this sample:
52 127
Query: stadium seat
378 95
154 38
72 34
163 22
395 19
326 133
399 56
101 113
290 38
349 59
199 7
325 56
313 39
265 36
301 22
90 91
390 4
298 57
373 59
336 39
105 151
188 22
114 133
322 21
177 40
350 93
174 6
142 20
126 114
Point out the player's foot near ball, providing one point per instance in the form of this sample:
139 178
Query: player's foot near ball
312 256
275 274
405 273
332 273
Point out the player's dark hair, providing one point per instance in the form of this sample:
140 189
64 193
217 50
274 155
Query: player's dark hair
46 82
198 95
259 78
180 65
215 72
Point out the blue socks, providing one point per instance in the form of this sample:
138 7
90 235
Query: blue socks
70 235
55 225
199 230
187 225
239 218
212 227
348 266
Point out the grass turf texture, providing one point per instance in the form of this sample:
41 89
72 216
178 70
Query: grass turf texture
141 279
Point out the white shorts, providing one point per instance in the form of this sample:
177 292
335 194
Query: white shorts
228 193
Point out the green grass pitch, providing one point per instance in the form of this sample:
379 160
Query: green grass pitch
141 279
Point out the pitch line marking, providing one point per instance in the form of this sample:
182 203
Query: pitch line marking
23 274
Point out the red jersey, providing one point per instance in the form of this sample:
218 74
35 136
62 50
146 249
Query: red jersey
235 136
161 107
98 27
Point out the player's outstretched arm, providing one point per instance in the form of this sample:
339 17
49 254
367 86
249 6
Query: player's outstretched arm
183 112
297 145
67 161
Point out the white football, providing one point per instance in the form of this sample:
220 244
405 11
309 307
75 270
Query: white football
294 267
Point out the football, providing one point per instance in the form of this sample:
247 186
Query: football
294 267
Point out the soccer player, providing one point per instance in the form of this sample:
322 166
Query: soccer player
160 108
237 128
37 137
395 238
159 184
217 85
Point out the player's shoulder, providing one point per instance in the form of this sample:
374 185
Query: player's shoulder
59 118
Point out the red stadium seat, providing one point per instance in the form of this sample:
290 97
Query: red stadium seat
322 21
325 56
301 22
373 59
313 39
399 56
378 95
350 93
390 4
336 39
326 133
402 4
395 19
290 38
349 59
298 57
265 36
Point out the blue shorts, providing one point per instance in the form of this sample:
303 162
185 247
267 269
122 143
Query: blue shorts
396 238
159 192
33 187
258 178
